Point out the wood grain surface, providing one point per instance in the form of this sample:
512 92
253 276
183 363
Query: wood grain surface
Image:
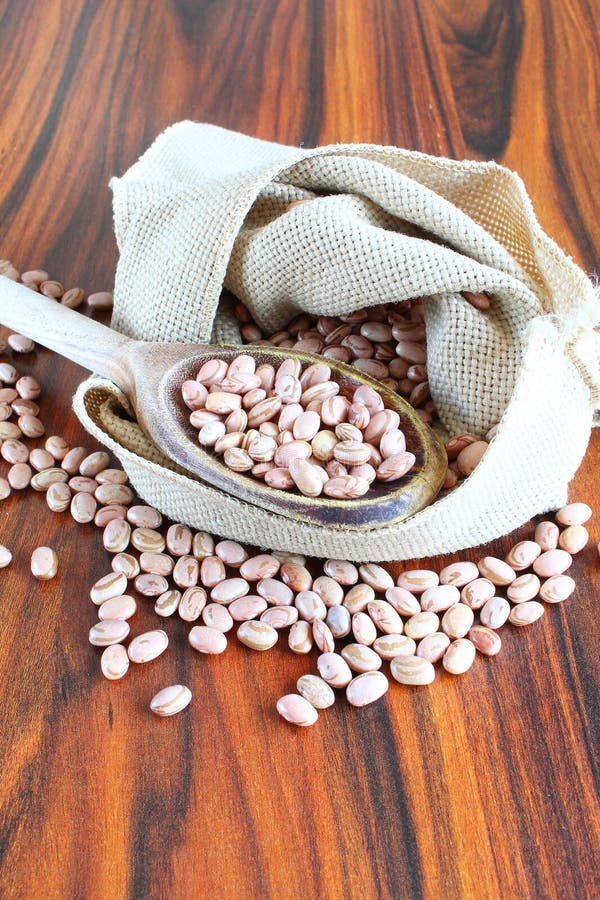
484 786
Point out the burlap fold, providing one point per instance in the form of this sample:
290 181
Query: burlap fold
206 207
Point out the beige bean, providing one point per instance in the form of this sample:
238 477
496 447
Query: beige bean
212 372
573 514
114 493
229 589
433 646
338 620
214 615
523 588
28 389
92 464
405 603
147 646
275 592
288 416
323 445
347 432
366 688
147 540
40 459
179 540
455 445
107 632
380 423
351 453
114 662
494 612
126 564
72 459
361 658
297 577
523 555
546 535
9 431
101 300
552 562
385 617
41 481
191 604
108 513
477 592
171 700
440 598
334 670
279 478
421 624
485 640
19 476
44 563
457 620
281 616
300 638
330 592
314 689
310 606
526 613
358 598
186 572
151 585
469 458
416 581
573 539
14 451
122 607
21 407
9 375
388 646
264 411
346 487
115 536
412 670
345 573
231 553
297 710
8 395
156 563
167 603
112 585
459 657
31 426
496 571
335 410
376 576
144 517
322 636
83 506
203 545
363 629
459 573
557 588
257 635
5 557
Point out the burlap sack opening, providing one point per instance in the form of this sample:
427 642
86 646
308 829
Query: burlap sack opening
205 207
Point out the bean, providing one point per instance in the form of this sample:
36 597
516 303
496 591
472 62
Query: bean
260 567
496 571
557 588
92 464
412 670
363 629
485 640
9 431
526 613
112 585
114 662
280 616
171 700
44 563
231 553
5 557
203 544
417 581
552 562
228 590
19 476
151 585
101 300
167 603
57 447
433 646
459 574
523 588
388 646
366 688
477 592
440 598
122 607
361 658
573 514
5 489
459 657
147 540
310 606
83 506
126 564
107 632
214 615
405 603
297 710
186 572
494 612
58 497
108 513
73 298
314 689
114 493
469 458
573 539
523 555
257 635
14 451
192 602
546 535
73 458
31 426
40 459
110 476
148 646
421 624
144 517
457 620
116 536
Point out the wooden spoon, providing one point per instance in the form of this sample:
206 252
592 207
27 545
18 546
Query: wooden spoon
151 375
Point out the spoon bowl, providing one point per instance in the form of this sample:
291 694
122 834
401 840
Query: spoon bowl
151 374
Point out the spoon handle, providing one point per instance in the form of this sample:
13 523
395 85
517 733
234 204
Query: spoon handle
80 339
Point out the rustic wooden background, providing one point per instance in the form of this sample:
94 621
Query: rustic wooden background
477 787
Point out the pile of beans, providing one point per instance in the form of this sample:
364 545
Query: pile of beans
355 619
388 343
292 428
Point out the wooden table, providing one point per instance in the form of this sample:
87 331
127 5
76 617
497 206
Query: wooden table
483 786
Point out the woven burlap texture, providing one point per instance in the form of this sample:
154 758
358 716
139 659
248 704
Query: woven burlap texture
206 207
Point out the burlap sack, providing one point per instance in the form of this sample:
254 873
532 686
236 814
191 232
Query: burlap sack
206 207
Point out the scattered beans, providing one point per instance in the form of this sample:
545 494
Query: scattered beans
44 563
